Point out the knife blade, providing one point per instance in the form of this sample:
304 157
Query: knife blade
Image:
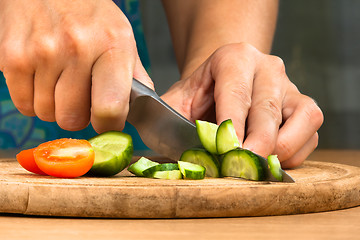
160 127
166 131
268 175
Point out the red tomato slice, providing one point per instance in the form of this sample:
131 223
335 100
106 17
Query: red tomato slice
27 161
66 157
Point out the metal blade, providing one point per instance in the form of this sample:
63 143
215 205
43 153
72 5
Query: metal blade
268 175
160 127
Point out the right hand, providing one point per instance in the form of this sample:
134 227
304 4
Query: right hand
69 61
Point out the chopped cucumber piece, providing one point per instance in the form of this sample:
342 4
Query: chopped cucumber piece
191 170
173 174
275 167
113 152
207 135
226 138
242 163
160 167
203 158
107 164
140 165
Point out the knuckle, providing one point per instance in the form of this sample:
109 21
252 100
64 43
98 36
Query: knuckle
272 108
313 112
14 57
233 52
75 41
276 62
238 91
45 48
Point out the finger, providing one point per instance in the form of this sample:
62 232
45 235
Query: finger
44 93
19 72
302 119
72 97
47 73
265 113
21 89
111 85
233 74
298 158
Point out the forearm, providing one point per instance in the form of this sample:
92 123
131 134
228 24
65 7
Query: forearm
199 27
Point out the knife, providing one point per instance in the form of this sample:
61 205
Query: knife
164 130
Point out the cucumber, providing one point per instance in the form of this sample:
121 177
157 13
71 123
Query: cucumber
139 166
203 158
242 163
191 170
113 152
226 138
160 167
173 174
275 167
207 135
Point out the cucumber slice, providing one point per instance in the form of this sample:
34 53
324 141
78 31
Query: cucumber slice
226 138
242 163
173 174
140 165
275 167
160 167
203 158
107 164
207 135
106 146
191 170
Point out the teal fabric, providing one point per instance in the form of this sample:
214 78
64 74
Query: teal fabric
21 132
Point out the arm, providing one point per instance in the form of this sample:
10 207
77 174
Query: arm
199 27
222 51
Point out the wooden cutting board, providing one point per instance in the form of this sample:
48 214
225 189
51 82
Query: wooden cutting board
319 187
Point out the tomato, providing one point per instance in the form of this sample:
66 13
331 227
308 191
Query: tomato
27 161
65 157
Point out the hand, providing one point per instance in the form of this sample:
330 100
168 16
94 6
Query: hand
270 115
69 61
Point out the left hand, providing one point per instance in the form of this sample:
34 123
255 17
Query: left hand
270 115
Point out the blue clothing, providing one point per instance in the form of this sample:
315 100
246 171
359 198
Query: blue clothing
22 132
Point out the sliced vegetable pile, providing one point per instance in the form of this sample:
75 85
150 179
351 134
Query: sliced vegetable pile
109 153
221 156
146 168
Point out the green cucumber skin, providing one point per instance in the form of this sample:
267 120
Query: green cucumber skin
123 153
160 167
203 158
188 174
141 165
191 170
226 138
238 157
275 167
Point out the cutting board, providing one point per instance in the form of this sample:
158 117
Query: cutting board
319 186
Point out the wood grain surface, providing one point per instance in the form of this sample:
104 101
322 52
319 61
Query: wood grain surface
319 186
